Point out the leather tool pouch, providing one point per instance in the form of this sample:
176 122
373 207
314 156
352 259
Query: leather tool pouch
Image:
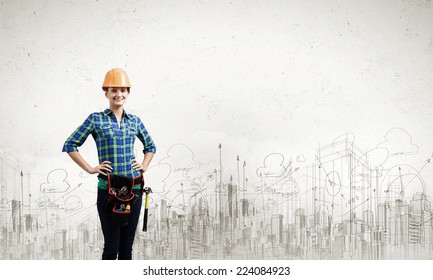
121 198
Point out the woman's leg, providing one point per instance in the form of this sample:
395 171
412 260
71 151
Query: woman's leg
127 233
110 228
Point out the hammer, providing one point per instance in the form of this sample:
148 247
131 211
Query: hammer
147 190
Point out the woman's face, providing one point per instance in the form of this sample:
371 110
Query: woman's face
117 95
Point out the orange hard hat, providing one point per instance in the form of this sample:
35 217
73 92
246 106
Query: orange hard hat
116 77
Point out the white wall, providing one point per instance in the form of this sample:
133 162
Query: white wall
257 76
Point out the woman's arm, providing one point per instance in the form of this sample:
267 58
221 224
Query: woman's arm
78 159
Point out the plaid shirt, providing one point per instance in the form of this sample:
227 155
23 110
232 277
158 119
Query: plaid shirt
114 144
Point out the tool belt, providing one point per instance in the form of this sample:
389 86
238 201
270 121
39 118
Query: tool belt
139 180
121 198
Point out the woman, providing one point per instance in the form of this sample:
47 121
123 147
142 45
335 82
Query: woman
114 132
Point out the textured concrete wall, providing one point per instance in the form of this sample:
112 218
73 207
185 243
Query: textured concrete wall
260 76
269 80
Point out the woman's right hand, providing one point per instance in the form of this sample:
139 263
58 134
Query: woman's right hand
104 166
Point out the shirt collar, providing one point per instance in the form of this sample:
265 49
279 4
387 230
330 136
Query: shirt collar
108 112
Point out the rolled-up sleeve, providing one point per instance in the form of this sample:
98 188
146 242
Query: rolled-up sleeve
79 136
143 135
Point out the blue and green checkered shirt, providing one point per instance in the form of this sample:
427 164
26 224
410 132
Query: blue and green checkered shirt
114 143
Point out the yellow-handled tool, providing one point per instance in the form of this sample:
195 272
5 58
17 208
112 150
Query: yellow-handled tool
147 191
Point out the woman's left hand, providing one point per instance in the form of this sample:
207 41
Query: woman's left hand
138 166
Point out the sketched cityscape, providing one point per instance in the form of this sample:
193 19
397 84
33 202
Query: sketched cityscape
342 204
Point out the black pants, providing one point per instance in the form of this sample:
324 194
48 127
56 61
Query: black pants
118 240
